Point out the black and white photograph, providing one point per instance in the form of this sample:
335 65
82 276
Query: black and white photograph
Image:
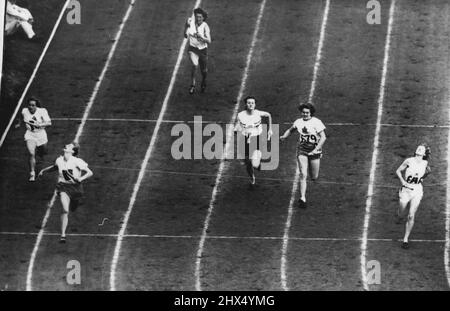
247 147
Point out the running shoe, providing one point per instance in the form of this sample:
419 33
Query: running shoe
253 180
32 176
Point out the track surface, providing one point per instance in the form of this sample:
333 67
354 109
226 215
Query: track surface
242 250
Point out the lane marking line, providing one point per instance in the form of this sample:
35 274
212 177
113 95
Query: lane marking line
29 282
198 262
295 184
115 259
375 149
77 136
447 214
167 172
33 75
222 122
217 237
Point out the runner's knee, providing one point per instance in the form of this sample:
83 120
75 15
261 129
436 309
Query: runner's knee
402 206
303 176
314 176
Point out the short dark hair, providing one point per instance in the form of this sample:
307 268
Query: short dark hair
309 106
427 154
76 148
34 99
201 11
249 97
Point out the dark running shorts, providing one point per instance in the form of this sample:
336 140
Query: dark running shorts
41 150
202 57
74 191
248 152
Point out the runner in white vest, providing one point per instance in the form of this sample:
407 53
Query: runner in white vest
249 124
36 120
415 170
198 33
17 17
309 147
72 171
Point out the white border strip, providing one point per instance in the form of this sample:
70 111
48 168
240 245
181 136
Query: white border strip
198 262
115 259
79 132
33 75
287 226
375 149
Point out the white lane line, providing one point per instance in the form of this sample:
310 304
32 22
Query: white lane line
287 226
319 51
222 122
216 237
29 281
322 181
103 73
392 125
198 262
375 149
115 259
124 120
447 214
79 132
33 75
325 182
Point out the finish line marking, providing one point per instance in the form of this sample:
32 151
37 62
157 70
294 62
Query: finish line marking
214 237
